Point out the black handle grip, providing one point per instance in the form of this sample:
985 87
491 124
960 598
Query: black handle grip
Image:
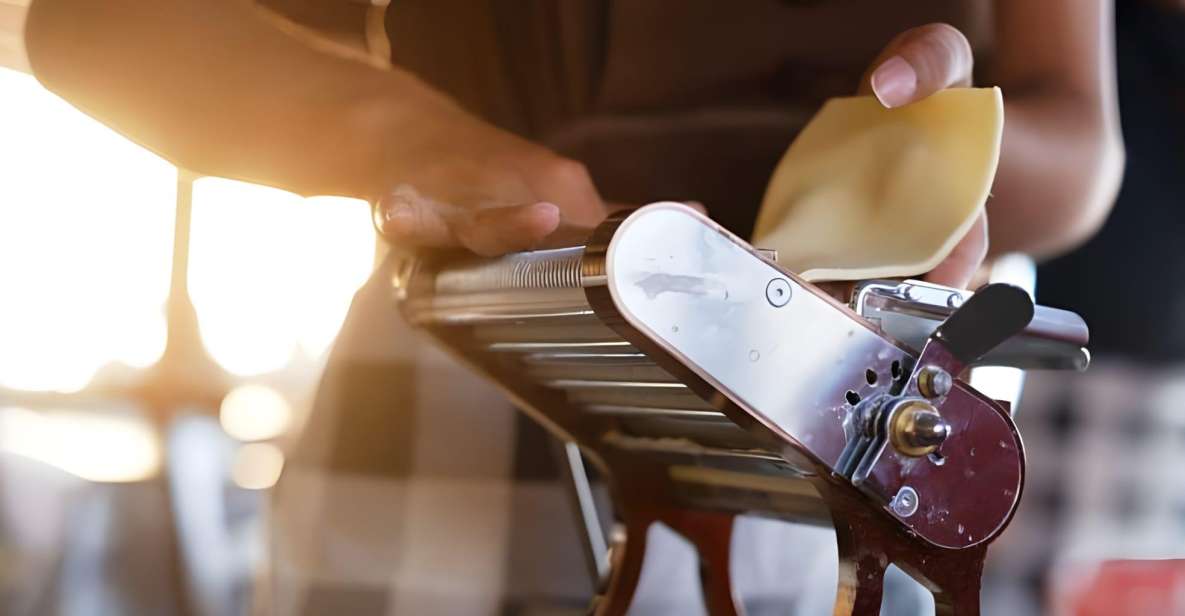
992 315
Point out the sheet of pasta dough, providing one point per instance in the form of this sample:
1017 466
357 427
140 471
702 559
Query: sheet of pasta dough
868 192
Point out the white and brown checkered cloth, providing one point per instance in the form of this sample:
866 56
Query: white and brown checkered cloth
1106 457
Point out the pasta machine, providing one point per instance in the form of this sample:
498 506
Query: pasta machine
704 381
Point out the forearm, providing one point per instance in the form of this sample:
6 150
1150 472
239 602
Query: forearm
1060 168
216 89
1062 155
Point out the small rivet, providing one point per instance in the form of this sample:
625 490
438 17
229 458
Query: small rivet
954 300
934 382
777 292
905 503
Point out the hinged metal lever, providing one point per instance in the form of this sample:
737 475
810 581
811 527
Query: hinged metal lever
994 314
909 311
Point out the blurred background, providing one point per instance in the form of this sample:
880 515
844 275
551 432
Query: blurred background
159 348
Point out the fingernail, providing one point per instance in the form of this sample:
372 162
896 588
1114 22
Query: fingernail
397 217
547 216
550 209
894 82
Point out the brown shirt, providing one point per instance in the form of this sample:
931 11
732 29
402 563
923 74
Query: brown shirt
693 99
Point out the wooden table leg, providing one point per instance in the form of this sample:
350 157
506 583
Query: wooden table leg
861 575
711 532
959 583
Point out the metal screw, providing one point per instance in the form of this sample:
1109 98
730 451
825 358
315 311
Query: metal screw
777 292
905 503
934 382
954 300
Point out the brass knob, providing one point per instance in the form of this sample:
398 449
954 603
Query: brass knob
917 429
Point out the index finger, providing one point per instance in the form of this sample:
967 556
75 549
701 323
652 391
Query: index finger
407 217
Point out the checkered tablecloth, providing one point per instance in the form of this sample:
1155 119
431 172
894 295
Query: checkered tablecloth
1105 478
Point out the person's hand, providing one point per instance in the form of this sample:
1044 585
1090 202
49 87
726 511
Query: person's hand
914 65
465 184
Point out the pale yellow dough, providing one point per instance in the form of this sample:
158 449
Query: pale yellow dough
868 192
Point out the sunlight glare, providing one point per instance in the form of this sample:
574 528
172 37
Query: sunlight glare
271 273
254 413
257 466
86 220
86 230
95 446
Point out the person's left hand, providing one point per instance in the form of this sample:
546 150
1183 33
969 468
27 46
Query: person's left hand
914 65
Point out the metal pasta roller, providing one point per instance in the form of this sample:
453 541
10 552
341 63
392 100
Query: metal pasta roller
705 381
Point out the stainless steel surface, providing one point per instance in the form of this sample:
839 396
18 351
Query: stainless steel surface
700 293
625 393
622 370
592 534
683 283
540 269
644 411
571 328
588 349
544 284
778 292
909 311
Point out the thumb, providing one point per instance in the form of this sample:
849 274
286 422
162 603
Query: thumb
918 63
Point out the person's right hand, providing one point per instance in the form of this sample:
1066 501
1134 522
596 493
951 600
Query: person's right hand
914 65
461 183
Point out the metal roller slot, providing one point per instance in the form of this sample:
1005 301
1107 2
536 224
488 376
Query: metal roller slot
584 359
715 433
643 411
681 451
591 348
629 393
571 329
600 371
493 307
771 466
